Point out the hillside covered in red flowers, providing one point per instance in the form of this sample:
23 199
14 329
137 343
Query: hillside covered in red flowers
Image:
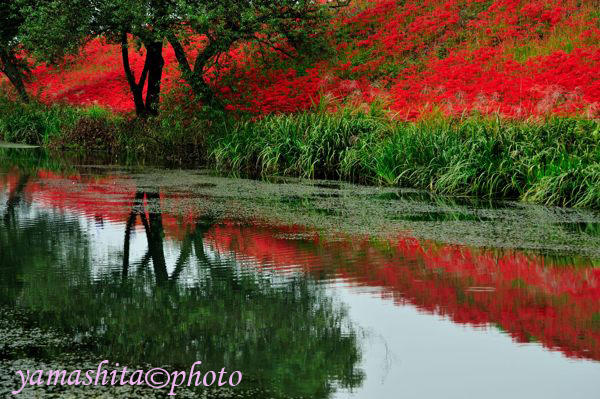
516 58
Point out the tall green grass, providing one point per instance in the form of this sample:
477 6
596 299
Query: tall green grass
179 137
40 124
33 123
555 163
308 144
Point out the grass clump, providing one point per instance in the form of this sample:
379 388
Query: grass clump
311 145
555 163
96 129
40 124
34 123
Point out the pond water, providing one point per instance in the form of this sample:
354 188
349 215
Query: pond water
310 289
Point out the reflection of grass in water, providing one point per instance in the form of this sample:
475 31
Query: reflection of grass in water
410 212
443 200
31 160
424 196
592 229
440 217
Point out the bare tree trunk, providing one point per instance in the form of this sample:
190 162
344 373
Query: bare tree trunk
135 87
152 72
11 70
156 63
195 77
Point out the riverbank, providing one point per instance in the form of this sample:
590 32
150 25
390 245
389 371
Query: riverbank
551 162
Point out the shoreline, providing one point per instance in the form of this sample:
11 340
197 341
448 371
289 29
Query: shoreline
552 162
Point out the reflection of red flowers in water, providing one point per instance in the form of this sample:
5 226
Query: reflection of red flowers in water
528 296
557 305
98 198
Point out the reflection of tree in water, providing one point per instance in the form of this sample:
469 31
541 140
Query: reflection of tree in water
288 337
154 230
14 197
8 235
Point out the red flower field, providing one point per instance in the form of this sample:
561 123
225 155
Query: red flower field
516 58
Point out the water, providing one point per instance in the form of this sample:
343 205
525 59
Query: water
310 289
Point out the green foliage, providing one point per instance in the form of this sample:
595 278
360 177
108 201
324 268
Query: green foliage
553 163
12 17
34 123
290 27
307 144
556 162
10 20
54 29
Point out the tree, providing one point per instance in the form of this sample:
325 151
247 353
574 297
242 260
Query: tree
227 23
11 20
66 24
61 27
144 21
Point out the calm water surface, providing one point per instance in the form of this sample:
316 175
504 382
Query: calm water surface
310 289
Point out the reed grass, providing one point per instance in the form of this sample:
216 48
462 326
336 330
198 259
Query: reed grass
33 123
552 162
555 162
307 144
